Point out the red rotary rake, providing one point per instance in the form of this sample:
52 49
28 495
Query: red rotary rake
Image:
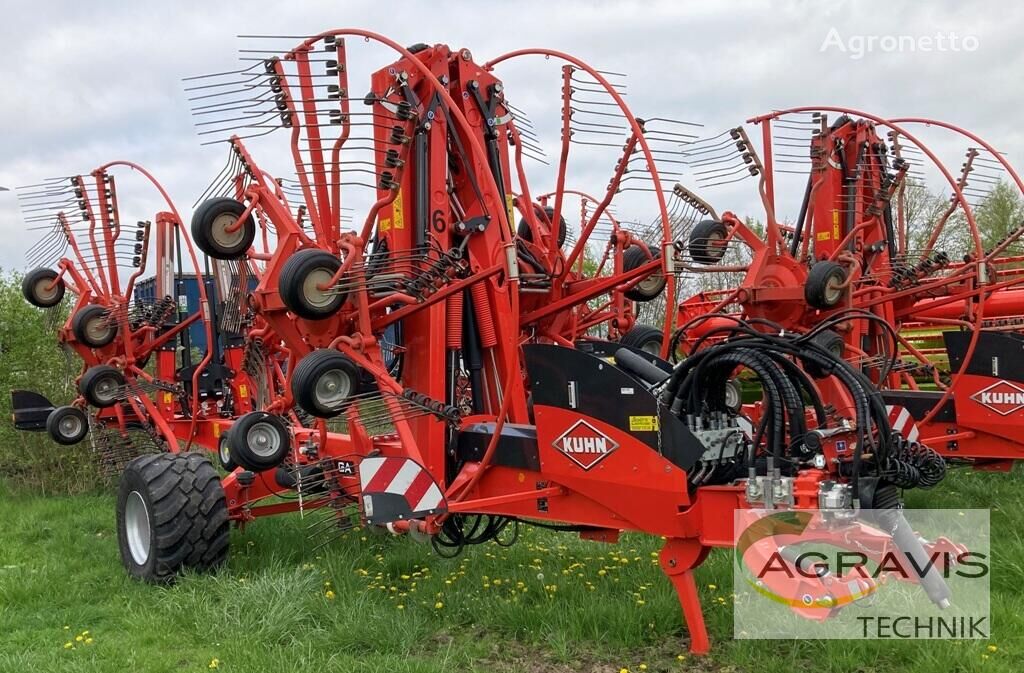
440 353
858 250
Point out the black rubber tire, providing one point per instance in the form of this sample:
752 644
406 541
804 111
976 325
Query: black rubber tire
208 220
644 337
308 377
294 276
701 243
820 290
186 511
523 230
87 316
224 454
650 287
831 342
67 425
96 383
32 289
244 455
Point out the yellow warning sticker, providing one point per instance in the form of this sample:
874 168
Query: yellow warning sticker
385 224
168 398
824 236
243 390
511 211
216 430
396 212
835 218
643 423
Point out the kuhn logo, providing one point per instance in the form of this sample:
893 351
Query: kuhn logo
585 445
1002 397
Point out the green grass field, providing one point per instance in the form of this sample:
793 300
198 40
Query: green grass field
367 603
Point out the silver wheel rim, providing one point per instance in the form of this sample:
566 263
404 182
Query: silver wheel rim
98 329
136 527
314 296
653 347
732 396
69 426
44 293
651 284
332 388
714 246
263 440
220 234
106 389
833 290
225 452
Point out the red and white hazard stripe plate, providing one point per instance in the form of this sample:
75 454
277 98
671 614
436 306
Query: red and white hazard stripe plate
396 489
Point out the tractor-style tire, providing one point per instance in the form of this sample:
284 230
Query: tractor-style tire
832 343
171 516
259 441
645 337
39 289
650 287
101 386
210 224
67 425
323 381
824 287
523 230
300 276
92 326
227 463
706 242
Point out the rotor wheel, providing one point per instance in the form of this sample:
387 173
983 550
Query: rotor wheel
171 516
524 232
214 228
650 287
93 327
43 287
224 454
826 285
833 344
647 338
301 276
706 243
101 386
67 425
259 441
323 381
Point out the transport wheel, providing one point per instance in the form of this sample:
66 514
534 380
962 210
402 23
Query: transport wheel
300 276
733 395
67 425
322 381
824 287
259 441
92 325
224 454
171 516
706 243
832 343
39 288
650 287
523 230
644 337
101 386
211 228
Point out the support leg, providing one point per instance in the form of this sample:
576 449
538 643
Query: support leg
679 557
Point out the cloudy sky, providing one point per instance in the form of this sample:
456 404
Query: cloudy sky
90 82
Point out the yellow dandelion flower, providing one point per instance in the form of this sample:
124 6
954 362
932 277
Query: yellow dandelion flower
400 606
79 639
602 572
712 586
992 648
214 663
88 641
438 605
680 657
329 595
642 667
67 628
69 645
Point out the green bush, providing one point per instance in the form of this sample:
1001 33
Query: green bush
30 359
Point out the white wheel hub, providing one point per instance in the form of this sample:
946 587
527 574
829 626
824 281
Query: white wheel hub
136 528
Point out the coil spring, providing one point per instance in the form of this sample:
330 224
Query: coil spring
912 464
453 333
484 317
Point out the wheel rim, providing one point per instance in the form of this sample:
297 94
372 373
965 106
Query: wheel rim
833 289
225 452
106 389
98 329
43 290
314 296
69 426
136 527
332 388
653 347
220 234
732 397
715 249
651 284
263 439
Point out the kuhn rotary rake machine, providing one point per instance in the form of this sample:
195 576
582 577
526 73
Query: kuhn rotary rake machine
432 370
139 373
860 261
